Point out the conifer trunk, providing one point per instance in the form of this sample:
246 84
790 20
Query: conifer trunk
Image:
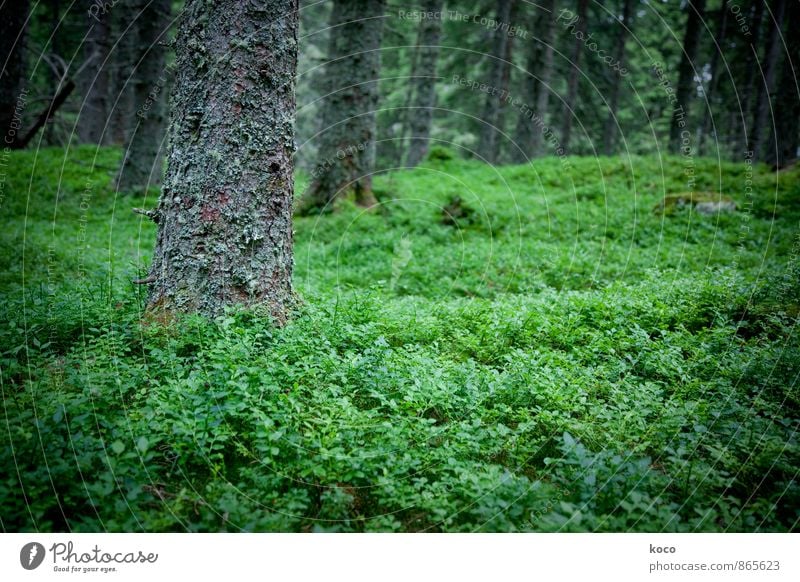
225 213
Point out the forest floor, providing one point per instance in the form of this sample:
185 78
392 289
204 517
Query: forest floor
558 356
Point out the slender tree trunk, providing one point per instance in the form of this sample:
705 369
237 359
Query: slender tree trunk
767 87
492 118
346 154
722 29
543 91
578 28
124 56
94 81
786 132
424 84
143 161
225 213
686 72
610 128
749 91
12 70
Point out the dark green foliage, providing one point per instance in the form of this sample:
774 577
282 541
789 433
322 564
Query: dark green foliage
569 362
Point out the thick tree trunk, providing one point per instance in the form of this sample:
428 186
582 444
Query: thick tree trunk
225 212
12 70
763 104
784 140
94 80
578 29
610 128
424 84
719 47
686 73
494 107
346 153
143 160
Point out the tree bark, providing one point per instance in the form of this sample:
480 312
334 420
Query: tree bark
424 84
143 160
763 104
749 91
225 213
610 128
492 118
346 154
686 73
94 79
12 70
722 30
579 30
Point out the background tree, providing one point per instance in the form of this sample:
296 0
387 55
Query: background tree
142 162
786 130
610 128
225 212
686 73
578 30
346 153
499 75
94 79
423 84
766 87
13 18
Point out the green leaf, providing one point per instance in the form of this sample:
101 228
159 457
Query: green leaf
117 447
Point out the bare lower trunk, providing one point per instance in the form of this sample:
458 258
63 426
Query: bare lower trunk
766 88
492 118
346 153
686 73
143 160
94 79
225 213
610 128
578 29
12 72
420 114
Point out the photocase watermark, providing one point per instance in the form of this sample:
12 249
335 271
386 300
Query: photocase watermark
31 555
100 8
401 256
8 140
155 92
521 106
454 15
569 21
341 154
83 223
741 19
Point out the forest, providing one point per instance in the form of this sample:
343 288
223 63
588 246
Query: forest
372 266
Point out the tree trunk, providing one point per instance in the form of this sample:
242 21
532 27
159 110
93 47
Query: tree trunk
766 89
12 70
610 129
722 29
686 73
492 118
579 30
346 154
124 54
94 82
225 212
749 92
786 132
142 163
424 84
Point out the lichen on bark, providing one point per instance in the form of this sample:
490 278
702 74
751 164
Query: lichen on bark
224 228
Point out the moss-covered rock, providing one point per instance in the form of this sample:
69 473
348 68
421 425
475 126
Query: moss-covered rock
702 202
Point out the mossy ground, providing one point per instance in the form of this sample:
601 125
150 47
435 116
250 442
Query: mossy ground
564 360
